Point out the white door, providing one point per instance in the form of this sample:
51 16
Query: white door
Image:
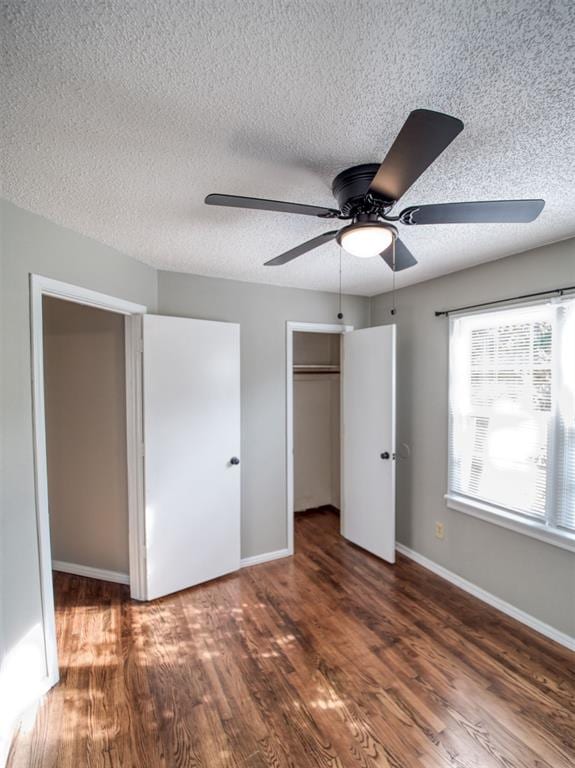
191 397
368 440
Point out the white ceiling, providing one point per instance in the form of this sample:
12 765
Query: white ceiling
121 116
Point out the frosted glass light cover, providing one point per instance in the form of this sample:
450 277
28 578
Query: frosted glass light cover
366 241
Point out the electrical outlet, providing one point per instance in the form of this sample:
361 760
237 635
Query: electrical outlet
439 530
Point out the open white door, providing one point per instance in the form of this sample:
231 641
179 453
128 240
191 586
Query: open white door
191 399
368 440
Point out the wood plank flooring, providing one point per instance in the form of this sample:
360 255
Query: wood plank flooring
330 659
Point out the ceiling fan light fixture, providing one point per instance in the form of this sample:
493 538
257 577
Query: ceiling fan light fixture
365 239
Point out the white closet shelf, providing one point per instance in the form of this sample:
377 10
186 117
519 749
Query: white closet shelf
316 369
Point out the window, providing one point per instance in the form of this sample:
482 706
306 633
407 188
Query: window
512 418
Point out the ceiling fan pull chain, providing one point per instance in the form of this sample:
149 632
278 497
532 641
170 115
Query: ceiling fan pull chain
393 276
340 313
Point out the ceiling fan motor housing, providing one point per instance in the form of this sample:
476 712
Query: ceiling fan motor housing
350 188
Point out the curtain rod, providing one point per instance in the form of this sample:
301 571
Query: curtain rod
558 291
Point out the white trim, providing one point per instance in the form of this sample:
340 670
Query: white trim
246 562
79 295
135 448
41 482
91 573
511 521
496 602
292 327
43 286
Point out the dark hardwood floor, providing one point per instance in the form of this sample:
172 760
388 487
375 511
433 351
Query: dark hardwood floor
332 658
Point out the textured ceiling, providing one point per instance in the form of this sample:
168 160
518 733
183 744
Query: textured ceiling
120 116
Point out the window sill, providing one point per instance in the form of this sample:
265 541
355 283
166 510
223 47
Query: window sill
511 521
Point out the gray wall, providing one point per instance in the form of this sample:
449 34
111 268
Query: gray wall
262 312
31 243
316 439
85 408
534 576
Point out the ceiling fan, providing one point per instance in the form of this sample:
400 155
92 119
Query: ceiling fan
366 194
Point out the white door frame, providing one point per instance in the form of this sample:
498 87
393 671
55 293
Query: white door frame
43 286
291 328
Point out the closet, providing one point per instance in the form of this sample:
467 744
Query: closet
316 420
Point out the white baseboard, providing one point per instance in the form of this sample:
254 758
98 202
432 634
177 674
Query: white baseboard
245 562
490 599
91 573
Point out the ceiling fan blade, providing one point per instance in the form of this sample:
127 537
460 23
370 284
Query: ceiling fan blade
487 212
283 258
403 256
424 136
259 204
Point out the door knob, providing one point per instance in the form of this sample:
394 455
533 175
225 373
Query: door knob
384 455
234 460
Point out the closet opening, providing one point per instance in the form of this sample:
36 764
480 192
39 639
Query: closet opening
315 384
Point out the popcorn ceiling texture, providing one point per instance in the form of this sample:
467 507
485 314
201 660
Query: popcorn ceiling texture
120 116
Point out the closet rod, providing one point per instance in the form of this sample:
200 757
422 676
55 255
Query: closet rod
550 292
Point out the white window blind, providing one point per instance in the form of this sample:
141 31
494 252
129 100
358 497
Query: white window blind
512 411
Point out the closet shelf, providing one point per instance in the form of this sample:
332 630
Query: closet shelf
316 369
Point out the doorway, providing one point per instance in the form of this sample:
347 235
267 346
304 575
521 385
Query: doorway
313 419
86 450
316 423
41 288
366 432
